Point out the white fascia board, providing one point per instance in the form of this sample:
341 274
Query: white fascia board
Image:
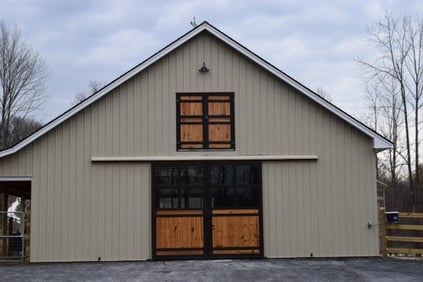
379 142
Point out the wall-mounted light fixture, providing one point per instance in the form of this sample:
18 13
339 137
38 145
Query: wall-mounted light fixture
204 69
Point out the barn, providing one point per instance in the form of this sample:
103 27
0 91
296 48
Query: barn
204 150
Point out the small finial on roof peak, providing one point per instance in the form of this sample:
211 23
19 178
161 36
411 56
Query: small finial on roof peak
193 23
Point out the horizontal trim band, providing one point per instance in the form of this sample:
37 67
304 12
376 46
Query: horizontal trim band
207 158
15 178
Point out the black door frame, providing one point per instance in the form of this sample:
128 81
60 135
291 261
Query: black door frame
207 211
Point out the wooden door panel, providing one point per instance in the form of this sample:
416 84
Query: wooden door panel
220 132
192 133
220 146
219 109
179 232
191 109
240 231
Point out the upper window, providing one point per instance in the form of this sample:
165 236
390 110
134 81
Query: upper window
205 121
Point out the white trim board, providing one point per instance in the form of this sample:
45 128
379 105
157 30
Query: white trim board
207 158
379 142
15 179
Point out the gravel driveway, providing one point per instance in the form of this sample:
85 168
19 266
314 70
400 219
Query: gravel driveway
369 269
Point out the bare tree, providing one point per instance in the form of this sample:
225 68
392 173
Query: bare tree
325 95
398 68
21 128
385 116
22 77
414 65
93 87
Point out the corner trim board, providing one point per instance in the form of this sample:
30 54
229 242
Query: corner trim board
207 158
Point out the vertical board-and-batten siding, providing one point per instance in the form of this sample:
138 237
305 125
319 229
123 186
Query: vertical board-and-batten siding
83 210
321 209
80 211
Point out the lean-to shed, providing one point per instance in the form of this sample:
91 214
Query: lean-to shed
203 150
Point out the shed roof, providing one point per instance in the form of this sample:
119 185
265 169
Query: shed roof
379 142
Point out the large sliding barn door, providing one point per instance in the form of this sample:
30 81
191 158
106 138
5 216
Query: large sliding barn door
207 210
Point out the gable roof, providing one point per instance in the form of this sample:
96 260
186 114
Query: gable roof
379 142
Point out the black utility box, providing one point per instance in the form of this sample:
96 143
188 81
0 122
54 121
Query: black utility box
392 217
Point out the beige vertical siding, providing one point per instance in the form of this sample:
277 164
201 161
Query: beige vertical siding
321 208
83 210
80 211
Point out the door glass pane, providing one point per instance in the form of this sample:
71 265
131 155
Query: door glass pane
167 198
230 197
231 185
247 175
192 198
223 197
166 176
179 186
191 176
247 197
165 203
221 174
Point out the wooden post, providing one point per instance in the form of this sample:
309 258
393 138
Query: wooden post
5 203
27 233
382 225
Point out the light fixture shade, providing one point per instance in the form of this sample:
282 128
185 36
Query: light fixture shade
204 69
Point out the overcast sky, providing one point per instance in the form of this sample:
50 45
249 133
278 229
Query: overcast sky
315 42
